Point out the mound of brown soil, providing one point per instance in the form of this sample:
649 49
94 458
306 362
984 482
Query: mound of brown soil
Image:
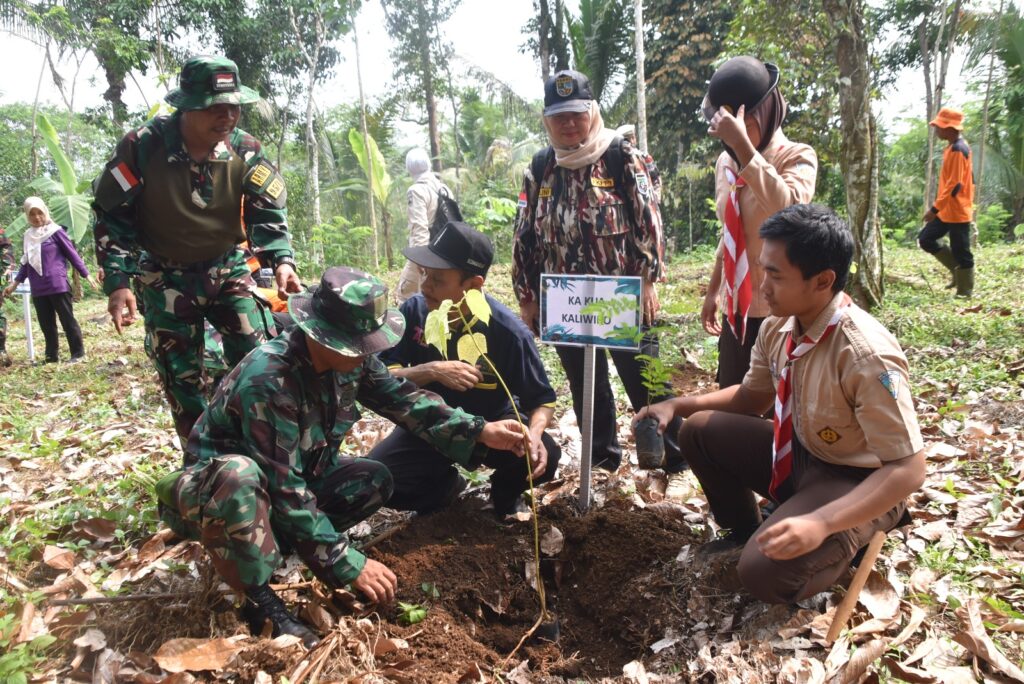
603 587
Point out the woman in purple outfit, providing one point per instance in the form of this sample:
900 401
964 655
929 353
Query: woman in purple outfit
45 263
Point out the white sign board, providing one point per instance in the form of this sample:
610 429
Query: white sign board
564 320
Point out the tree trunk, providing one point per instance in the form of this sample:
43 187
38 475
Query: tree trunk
114 94
944 44
929 109
312 58
366 145
543 47
859 161
431 104
35 109
313 160
980 175
641 85
560 43
388 252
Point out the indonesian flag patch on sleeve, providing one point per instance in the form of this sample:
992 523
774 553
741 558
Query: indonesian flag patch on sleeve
522 200
124 176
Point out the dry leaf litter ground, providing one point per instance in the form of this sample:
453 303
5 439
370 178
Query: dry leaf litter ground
95 590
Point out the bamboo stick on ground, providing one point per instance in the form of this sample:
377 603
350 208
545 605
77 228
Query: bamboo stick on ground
849 601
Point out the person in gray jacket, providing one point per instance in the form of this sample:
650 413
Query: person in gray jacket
422 199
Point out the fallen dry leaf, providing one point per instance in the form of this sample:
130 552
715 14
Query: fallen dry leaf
634 673
100 530
93 639
473 675
909 674
976 640
195 655
801 671
58 558
552 542
879 597
383 645
861 660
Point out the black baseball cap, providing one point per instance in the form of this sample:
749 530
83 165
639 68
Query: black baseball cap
567 91
458 245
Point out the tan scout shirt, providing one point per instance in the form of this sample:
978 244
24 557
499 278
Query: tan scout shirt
781 176
851 404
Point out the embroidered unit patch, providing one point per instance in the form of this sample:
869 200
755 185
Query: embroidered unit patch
642 184
829 436
890 380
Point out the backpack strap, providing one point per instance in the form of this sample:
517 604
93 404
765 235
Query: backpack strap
540 163
615 158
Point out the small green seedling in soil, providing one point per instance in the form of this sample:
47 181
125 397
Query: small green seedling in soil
430 590
411 613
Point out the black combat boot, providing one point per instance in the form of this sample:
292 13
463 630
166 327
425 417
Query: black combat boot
262 604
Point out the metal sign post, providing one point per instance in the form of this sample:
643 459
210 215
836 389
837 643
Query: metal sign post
587 425
563 323
26 294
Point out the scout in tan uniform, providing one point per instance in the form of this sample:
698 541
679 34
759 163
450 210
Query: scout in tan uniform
760 172
844 449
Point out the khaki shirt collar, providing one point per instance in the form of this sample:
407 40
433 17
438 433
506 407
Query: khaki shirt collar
817 328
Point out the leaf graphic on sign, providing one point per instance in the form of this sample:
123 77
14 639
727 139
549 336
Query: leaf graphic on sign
471 347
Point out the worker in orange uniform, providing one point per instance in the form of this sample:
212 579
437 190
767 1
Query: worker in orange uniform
953 208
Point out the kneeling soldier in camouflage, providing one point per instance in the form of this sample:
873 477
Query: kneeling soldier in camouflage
262 463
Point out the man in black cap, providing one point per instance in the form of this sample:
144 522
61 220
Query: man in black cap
173 205
455 262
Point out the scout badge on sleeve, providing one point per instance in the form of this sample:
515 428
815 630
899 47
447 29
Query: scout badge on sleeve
642 185
890 380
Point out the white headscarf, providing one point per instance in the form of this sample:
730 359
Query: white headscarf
36 236
417 162
591 149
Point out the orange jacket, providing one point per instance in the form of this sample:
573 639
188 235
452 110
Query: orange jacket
954 202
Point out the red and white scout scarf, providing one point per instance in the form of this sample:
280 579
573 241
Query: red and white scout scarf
782 447
739 292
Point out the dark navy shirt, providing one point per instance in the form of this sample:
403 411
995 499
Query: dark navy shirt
510 347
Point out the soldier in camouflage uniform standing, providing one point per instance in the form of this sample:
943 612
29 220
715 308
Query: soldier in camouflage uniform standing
6 263
588 206
262 464
167 207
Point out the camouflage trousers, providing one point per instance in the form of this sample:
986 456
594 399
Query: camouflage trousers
177 302
224 503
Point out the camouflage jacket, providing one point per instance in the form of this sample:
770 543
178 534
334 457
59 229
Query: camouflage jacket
578 221
6 254
275 408
118 187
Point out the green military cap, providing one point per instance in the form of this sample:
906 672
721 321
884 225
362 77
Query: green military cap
348 313
207 80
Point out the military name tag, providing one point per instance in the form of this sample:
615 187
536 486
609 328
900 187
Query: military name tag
260 175
603 182
275 188
544 192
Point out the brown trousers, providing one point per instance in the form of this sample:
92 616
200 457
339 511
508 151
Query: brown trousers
731 455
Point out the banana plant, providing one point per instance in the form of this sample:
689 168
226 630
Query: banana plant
68 200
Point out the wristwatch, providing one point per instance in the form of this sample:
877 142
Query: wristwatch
284 260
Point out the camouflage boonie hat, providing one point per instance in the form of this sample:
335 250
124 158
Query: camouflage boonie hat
349 313
208 80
